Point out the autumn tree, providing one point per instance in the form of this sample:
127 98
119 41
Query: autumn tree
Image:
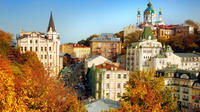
25 85
184 43
191 23
5 39
133 37
147 94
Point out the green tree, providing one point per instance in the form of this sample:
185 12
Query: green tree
133 37
87 41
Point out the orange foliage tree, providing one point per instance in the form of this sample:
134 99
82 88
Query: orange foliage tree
147 94
26 86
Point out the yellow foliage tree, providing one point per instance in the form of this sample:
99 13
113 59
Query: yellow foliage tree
147 94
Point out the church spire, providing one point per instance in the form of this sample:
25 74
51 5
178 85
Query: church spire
51 24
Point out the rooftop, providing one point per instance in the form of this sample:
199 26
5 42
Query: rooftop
101 105
187 54
109 66
106 37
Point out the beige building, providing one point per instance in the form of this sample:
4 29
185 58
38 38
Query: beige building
76 50
106 45
185 85
108 80
46 46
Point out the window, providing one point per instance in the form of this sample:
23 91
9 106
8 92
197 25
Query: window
125 76
41 48
50 56
108 86
30 41
36 49
119 76
124 85
49 48
30 48
21 48
107 95
45 48
108 76
41 56
36 41
45 56
118 95
99 44
24 48
118 85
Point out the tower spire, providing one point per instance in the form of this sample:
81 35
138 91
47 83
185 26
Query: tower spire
51 24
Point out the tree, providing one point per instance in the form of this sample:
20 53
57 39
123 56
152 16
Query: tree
133 37
184 43
192 23
26 86
147 94
8 97
87 41
5 39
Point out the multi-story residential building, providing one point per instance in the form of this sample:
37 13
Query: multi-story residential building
184 30
185 86
66 48
46 46
165 31
106 45
108 80
76 50
139 54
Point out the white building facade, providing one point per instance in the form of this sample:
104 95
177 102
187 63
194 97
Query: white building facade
108 80
46 47
139 55
148 53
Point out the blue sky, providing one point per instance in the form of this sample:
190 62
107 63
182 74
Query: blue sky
78 19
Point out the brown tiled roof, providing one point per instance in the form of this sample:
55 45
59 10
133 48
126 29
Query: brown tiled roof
108 66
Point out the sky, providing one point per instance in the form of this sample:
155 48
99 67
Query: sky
78 19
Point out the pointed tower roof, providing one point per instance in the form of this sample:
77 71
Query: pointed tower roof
51 24
147 32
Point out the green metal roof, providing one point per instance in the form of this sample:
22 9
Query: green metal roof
147 32
187 55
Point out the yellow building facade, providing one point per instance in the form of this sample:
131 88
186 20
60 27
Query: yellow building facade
76 50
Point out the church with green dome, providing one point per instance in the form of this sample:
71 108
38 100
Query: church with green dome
150 16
